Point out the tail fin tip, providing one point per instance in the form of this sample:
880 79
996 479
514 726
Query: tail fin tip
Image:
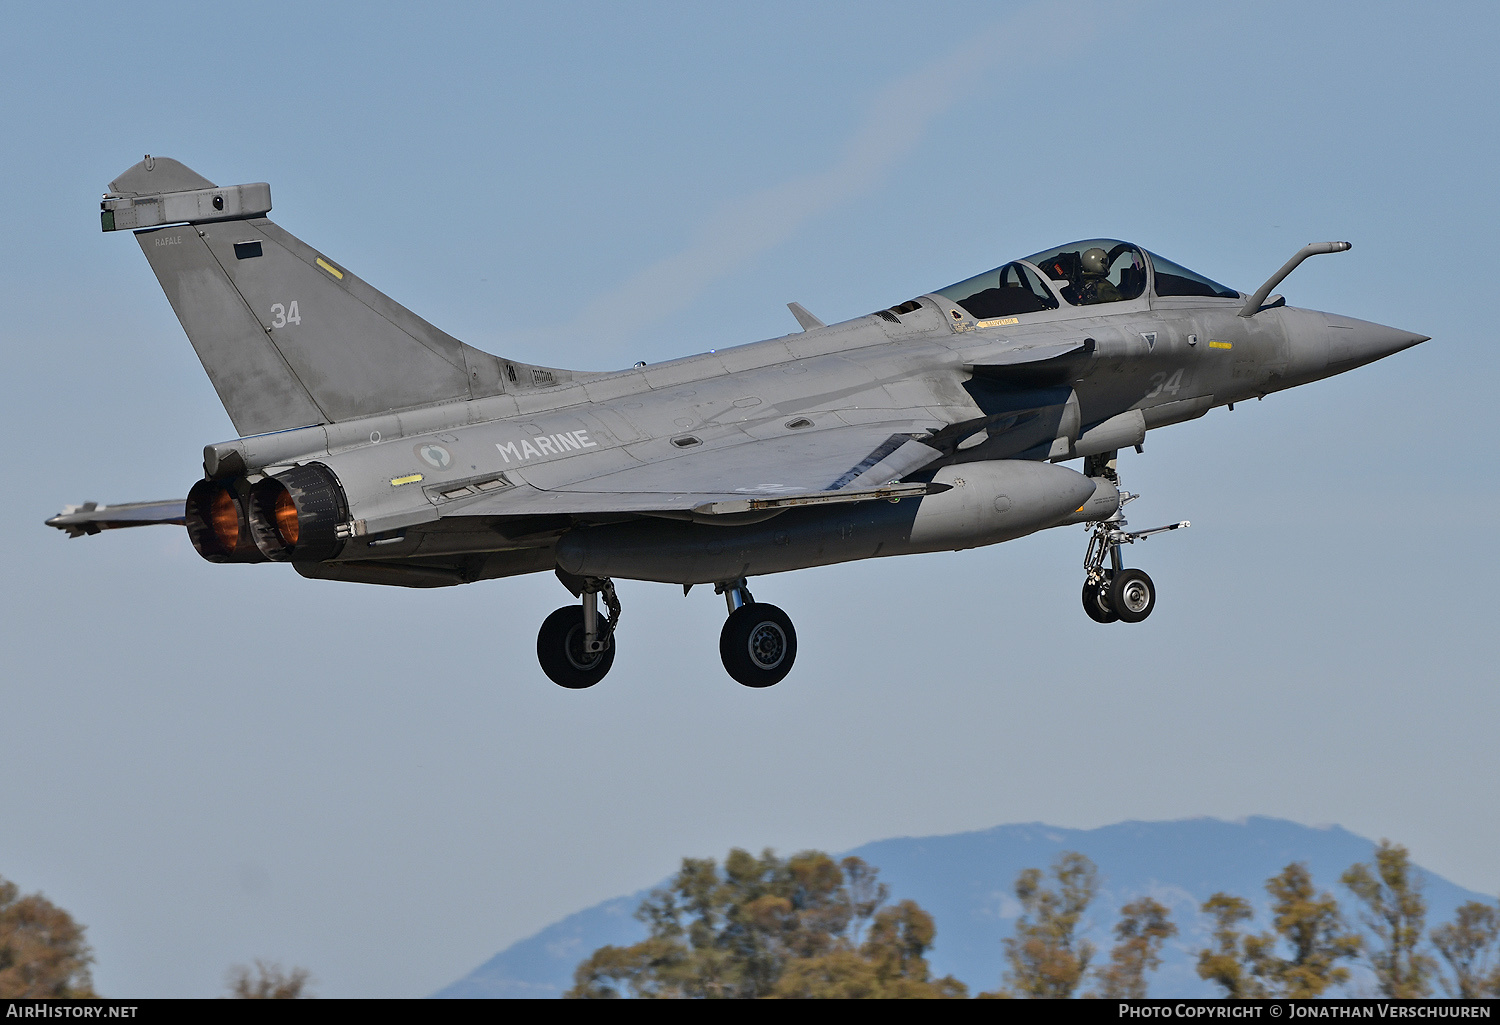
160 190
156 175
288 338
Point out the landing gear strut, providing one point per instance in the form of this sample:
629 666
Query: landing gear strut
758 643
1116 593
575 649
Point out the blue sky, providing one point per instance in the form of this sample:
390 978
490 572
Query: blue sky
210 764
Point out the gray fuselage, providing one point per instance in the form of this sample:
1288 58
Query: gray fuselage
1152 361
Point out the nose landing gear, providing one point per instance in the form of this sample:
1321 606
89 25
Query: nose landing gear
1132 595
1097 604
1116 593
758 643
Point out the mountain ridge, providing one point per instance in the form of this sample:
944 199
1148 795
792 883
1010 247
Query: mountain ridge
965 880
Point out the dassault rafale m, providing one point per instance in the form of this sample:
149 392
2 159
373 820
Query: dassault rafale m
375 448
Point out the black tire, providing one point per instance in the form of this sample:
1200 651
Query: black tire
1096 603
559 648
758 644
1133 595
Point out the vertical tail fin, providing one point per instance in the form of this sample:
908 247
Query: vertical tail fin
288 337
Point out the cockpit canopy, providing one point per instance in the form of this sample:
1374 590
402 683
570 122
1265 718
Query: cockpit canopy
1003 292
1088 273
1094 272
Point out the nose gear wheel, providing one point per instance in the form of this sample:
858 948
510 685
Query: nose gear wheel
1132 595
1097 604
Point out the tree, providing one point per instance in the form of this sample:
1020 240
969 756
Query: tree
1468 945
42 950
268 982
1310 922
1249 965
1045 957
888 965
1226 962
1141 931
1395 912
804 926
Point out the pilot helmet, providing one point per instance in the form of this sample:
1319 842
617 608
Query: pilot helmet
1095 263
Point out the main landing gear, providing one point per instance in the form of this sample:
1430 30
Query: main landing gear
575 649
758 643
576 645
1116 593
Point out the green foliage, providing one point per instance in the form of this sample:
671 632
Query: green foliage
42 950
1225 962
1395 912
1468 944
1248 966
1045 958
1312 925
888 965
1141 931
268 982
806 926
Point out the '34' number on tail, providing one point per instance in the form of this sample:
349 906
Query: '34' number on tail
284 315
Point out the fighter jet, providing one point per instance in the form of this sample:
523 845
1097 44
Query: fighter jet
377 449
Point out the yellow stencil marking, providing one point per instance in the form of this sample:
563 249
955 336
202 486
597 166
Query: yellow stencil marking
1221 345
330 268
410 478
997 323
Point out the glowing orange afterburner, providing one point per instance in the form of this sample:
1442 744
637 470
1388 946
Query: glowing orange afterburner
286 518
224 519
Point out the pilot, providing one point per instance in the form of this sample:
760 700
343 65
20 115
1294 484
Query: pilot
1094 286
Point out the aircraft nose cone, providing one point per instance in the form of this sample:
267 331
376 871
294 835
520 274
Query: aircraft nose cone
1380 340
1352 343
